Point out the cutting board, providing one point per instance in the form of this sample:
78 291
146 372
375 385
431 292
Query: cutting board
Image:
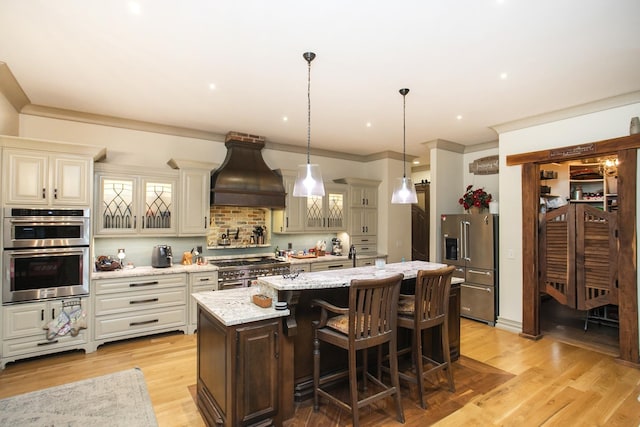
303 256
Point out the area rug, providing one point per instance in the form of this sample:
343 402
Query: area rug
119 399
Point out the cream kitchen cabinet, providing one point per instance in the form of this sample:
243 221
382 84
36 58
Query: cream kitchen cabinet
363 213
291 219
128 307
194 209
331 265
24 334
328 213
39 178
205 281
131 203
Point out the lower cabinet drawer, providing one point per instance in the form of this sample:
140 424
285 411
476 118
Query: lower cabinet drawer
139 321
135 301
41 345
366 248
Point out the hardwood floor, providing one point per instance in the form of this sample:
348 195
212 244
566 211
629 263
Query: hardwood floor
551 383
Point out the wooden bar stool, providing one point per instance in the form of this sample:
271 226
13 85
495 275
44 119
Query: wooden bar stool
427 308
369 321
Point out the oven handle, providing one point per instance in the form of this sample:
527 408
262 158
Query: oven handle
24 253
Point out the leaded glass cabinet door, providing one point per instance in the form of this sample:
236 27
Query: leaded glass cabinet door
158 208
328 212
117 213
335 210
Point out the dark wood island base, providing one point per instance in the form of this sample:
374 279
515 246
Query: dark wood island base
252 373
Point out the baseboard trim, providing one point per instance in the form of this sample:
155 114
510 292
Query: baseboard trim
509 325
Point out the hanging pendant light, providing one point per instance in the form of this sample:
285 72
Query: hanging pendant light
404 192
309 179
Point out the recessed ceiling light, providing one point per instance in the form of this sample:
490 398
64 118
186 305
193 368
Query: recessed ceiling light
368 124
285 118
135 8
416 162
503 76
212 86
459 117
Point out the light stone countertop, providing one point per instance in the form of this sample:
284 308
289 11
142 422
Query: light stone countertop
150 271
235 307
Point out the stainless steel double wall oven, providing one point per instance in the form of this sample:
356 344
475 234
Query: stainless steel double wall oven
46 254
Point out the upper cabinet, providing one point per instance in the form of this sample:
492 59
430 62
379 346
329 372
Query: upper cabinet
363 207
328 213
291 219
304 214
194 206
42 173
364 195
128 203
34 178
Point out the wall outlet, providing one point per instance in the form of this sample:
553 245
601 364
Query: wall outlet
510 254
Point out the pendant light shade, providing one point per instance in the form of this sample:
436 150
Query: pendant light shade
309 179
404 191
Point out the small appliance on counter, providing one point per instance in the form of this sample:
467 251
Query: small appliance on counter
161 257
336 246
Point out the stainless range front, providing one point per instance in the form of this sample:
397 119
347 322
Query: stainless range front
243 272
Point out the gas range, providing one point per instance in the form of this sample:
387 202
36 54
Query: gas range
233 273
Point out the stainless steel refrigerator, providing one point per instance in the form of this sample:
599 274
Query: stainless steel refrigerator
470 242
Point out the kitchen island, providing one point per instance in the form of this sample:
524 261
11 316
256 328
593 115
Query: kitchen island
254 362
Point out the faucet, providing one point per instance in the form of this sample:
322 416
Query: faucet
352 254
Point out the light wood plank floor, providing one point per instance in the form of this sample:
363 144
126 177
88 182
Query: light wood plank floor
555 384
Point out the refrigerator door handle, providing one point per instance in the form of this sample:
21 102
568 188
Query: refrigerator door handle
465 238
486 273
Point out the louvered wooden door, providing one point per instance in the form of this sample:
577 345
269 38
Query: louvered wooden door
578 249
596 257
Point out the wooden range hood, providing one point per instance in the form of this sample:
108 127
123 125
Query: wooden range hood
244 179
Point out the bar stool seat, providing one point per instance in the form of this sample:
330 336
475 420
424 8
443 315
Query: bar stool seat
427 308
368 321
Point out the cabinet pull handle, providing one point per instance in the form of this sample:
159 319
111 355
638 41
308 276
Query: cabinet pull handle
40 344
42 315
135 221
146 322
335 266
486 273
44 193
205 279
205 222
135 285
55 193
53 313
143 301
277 349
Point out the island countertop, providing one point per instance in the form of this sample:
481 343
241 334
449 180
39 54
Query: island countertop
234 306
342 278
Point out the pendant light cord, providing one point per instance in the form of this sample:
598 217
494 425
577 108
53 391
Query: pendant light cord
404 93
309 112
404 135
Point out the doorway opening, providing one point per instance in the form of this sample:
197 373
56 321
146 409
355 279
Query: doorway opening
578 288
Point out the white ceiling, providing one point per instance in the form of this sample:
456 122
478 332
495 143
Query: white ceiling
156 66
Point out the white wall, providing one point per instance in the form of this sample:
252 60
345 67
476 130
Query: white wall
610 123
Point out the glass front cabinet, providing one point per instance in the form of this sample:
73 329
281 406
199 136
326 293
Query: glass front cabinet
135 204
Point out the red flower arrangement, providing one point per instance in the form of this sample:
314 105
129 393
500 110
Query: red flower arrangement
478 198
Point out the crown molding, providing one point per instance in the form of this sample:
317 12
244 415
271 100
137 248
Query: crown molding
11 89
567 113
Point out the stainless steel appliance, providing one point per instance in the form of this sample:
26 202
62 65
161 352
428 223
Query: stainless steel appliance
470 242
336 246
235 273
46 254
161 256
